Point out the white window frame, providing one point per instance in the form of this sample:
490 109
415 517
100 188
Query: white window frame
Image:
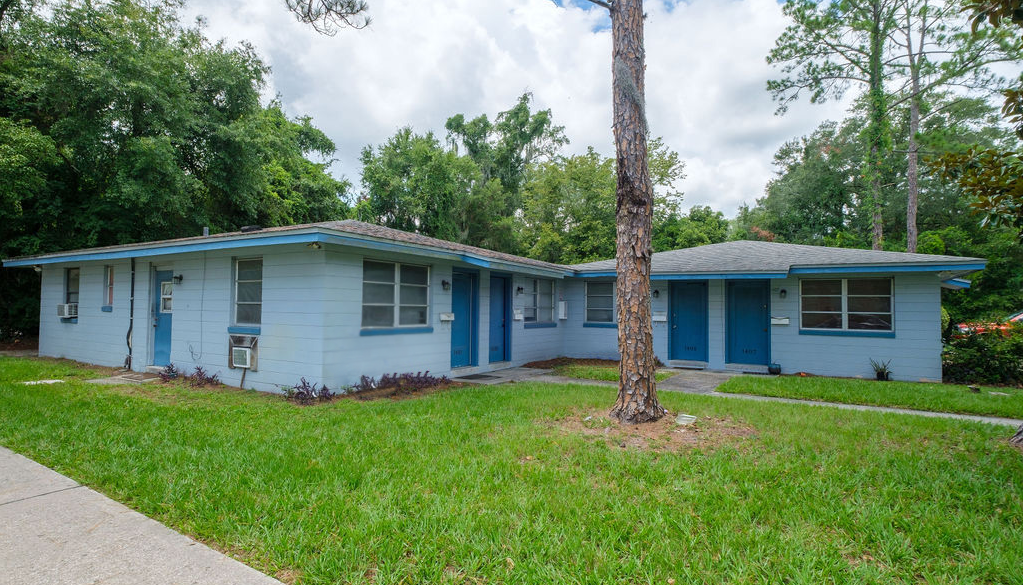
587 307
396 298
541 314
67 283
234 314
108 286
844 304
167 296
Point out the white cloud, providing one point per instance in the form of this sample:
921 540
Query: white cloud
421 62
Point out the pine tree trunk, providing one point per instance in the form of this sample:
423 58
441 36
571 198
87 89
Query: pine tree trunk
637 401
876 124
912 188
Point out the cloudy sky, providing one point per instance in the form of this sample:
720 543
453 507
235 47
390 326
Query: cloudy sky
421 62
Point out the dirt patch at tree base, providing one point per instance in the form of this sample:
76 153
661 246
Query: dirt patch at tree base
661 435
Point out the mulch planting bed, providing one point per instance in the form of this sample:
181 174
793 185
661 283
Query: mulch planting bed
567 361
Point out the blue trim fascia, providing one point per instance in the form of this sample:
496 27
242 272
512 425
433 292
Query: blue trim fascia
107 308
884 268
395 331
694 276
474 261
69 320
244 329
544 325
959 283
604 274
173 249
602 325
274 240
721 275
847 333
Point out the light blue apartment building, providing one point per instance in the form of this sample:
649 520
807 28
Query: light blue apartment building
334 301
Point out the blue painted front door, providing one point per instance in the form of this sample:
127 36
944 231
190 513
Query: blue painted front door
497 346
464 325
748 340
689 308
163 305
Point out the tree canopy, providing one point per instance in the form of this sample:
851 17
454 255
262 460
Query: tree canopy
118 124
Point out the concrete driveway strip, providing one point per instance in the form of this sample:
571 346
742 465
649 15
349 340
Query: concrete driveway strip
55 531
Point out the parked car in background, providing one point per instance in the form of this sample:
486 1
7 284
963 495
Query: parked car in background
986 327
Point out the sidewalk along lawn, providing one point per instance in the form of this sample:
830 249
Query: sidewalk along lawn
917 395
522 483
606 373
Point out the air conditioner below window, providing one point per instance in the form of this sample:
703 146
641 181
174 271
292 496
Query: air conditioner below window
241 357
67 311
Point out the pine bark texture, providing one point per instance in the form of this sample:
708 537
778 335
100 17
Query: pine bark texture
876 123
912 173
914 61
637 401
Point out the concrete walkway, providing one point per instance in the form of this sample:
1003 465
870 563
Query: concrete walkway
705 382
56 531
995 420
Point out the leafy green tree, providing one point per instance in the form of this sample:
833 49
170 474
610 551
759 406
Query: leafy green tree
119 125
414 184
939 53
702 225
901 52
827 48
569 213
569 205
504 149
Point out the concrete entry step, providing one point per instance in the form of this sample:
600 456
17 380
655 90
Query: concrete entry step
127 378
500 376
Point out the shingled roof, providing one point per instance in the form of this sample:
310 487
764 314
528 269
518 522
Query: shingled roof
746 256
360 229
375 231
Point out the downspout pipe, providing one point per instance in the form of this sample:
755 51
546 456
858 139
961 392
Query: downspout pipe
131 320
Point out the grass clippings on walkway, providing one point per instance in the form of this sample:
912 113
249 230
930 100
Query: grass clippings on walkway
480 484
916 395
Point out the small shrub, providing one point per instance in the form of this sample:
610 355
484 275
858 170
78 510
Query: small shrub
992 357
170 372
306 393
200 377
882 370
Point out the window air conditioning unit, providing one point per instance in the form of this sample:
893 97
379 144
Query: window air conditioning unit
241 357
67 311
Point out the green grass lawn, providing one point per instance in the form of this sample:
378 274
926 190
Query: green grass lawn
917 395
480 484
607 373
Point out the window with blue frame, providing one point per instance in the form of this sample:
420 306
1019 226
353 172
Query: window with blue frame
248 291
394 294
108 286
846 304
600 302
71 279
539 306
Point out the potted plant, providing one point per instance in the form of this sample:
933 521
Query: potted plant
882 371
